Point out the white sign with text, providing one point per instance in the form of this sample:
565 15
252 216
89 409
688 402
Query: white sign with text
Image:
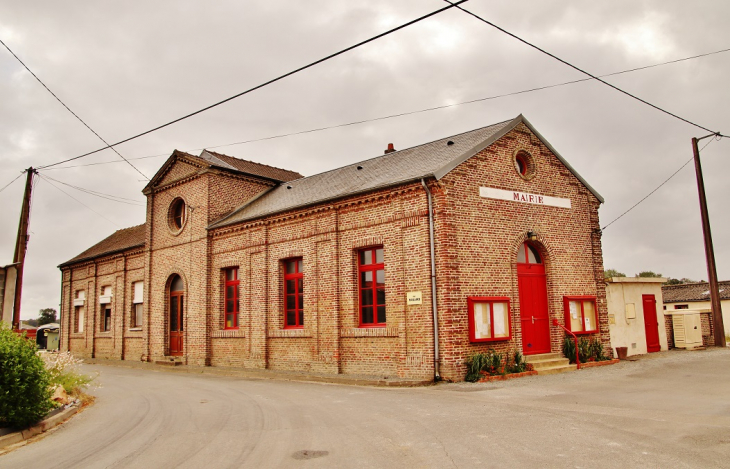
523 197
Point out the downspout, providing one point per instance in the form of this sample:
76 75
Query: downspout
436 375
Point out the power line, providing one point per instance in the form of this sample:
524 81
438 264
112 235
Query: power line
407 113
594 77
8 184
69 109
77 200
274 80
657 188
113 198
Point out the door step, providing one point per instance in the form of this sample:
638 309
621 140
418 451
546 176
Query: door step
549 363
170 361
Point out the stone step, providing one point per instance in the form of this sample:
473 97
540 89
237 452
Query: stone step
542 356
555 369
549 363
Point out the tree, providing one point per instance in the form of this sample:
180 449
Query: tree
46 316
609 273
680 281
31 322
648 274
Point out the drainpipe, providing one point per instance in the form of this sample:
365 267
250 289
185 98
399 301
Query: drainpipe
437 376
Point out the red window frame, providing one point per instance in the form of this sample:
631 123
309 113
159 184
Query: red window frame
491 300
294 293
371 294
230 298
521 164
582 299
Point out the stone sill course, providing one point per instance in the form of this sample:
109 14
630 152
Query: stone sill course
56 417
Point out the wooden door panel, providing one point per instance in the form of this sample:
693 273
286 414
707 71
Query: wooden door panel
651 324
534 315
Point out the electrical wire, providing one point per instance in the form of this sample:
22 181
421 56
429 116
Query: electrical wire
594 77
658 187
408 113
69 109
8 184
45 178
114 198
269 82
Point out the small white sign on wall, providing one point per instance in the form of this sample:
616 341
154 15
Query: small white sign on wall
414 298
523 197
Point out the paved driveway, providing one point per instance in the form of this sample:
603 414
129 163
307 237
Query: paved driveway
670 409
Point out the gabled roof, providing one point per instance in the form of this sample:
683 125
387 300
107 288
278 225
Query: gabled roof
434 159
693 292
210 159
119 241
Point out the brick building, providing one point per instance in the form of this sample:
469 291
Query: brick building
241 264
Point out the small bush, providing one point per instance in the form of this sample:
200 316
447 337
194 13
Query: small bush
478 364
569 349
24 381
63 371
516 363
587 350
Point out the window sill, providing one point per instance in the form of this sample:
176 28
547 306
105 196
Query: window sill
293 333
228 333
496 339
584 332
369 332
135 329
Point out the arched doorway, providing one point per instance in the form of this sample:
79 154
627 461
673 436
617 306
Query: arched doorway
176 308
532 286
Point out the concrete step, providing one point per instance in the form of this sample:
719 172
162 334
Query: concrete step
555 369
542 356
170 361
549 363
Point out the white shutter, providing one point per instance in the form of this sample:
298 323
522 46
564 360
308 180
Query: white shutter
138 292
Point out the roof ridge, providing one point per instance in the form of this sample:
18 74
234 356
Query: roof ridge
215 153
393 153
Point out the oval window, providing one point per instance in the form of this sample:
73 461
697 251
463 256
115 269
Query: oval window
177 214
524 164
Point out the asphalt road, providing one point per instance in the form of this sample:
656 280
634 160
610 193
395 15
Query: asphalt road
670 409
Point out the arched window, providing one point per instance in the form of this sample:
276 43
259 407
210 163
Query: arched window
528 255
176 284
177 308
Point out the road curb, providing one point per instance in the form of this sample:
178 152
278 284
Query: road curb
42 426
265 374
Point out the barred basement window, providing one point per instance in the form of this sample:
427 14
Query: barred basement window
294 293
230 298
371 270
580 314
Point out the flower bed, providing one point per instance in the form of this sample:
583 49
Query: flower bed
488 378
601 363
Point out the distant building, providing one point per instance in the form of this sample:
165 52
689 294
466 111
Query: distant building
242 264
696 297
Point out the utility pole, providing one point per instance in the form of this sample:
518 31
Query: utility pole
709 250
21 244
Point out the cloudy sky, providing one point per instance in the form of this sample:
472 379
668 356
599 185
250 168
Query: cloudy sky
125 67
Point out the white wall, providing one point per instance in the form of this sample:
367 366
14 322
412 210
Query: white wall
627 332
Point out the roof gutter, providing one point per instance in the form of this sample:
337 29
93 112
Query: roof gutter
436 374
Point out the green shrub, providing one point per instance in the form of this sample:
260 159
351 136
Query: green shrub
63 371
24 381
516 363
584 349
596 350
569 349
489 363
587 350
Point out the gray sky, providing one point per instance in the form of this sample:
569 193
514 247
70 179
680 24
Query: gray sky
125 67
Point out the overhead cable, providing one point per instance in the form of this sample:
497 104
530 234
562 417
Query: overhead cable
658 187
408 113
69 109
594 77
45 178
8 184
113 198
273 80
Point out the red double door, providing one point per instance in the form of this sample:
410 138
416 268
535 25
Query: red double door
534 317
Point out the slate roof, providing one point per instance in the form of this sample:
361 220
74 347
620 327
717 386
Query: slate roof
119 241
688 292
249 167
434 159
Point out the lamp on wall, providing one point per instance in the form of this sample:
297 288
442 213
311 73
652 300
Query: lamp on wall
531 235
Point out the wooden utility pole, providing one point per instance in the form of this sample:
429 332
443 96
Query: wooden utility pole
21 244
709 250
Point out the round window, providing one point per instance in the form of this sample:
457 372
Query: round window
524 164
177 214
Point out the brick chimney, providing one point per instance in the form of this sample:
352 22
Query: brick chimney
390 149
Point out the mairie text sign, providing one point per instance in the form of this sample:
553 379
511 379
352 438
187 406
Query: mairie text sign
523 197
